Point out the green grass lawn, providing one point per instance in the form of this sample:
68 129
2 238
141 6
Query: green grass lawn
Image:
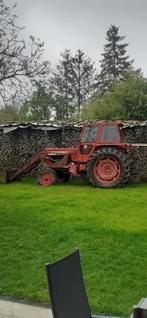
40 225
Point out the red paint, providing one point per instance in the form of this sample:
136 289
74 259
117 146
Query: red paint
75 159
73 169
82 167
106 170
46 179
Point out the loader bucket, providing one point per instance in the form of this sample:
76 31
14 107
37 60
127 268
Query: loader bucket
5 175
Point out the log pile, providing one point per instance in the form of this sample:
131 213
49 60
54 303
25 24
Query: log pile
17 147
70 136
32 141
9 149
137 134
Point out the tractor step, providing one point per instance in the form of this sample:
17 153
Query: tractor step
5 175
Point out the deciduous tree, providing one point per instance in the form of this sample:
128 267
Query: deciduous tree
126 99
20 63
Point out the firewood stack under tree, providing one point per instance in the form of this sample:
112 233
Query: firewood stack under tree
19 142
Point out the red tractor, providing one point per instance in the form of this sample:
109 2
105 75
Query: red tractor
100 155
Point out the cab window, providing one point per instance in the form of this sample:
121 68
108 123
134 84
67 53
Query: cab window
109 133
89 134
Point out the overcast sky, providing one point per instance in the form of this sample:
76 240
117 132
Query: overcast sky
83 24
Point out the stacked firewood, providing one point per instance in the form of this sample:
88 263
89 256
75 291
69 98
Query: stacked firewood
17 147
9 150
137 134
32 141
70 136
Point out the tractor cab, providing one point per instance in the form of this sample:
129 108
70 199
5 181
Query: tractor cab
96 135
103 154
89 134
108 132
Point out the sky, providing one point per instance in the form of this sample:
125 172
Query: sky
82 24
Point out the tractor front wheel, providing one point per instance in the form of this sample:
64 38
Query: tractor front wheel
47 177
109 167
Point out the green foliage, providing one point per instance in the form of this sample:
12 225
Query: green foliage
132 93
82 77
62 107
40 104
72 82
127 99
62 86
101 108
13 113
43 224
114 59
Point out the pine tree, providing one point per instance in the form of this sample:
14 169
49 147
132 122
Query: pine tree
114 59
72 82
41 103
62 86
82 76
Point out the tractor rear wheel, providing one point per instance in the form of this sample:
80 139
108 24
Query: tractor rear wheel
47 176
109 167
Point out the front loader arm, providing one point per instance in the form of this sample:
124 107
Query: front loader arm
43 155
29 166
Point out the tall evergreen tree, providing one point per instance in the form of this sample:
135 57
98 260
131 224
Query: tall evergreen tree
41 103
72 82
114 59
62 86
82 77
60 108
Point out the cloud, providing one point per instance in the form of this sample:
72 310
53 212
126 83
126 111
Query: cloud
83 23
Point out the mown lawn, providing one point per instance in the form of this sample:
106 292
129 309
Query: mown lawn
40 225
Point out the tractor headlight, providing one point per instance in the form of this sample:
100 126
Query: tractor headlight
85 149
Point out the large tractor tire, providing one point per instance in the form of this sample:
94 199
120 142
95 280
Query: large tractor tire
109 167
47 176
